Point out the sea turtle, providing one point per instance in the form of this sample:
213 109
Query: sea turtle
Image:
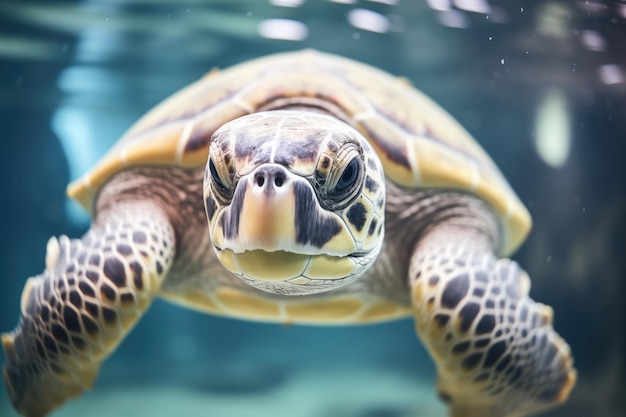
335 193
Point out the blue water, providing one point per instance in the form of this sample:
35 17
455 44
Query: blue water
541 85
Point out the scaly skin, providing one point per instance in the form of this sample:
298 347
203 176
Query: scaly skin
496 352
77 312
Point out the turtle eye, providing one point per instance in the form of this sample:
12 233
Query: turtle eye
216 177
341 183
348 176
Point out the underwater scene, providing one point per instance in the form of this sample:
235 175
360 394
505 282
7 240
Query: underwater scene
540 85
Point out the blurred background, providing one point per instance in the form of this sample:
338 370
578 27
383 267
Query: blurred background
541 84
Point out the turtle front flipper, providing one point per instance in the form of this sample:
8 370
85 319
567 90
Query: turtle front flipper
80 308
496 352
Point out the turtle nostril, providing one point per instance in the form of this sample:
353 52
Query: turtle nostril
270 177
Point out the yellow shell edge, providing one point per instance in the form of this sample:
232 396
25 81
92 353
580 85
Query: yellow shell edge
341 309
441 167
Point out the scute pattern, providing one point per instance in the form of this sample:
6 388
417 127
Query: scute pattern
491 342
78 311
419 144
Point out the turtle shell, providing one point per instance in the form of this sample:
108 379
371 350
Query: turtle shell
419 144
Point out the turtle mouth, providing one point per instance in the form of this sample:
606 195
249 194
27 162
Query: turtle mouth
280 266
289 273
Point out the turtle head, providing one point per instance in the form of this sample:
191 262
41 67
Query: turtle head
295 201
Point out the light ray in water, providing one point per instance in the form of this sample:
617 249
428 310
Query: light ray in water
552 129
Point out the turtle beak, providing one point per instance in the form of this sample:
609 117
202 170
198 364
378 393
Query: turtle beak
262 212
268 212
